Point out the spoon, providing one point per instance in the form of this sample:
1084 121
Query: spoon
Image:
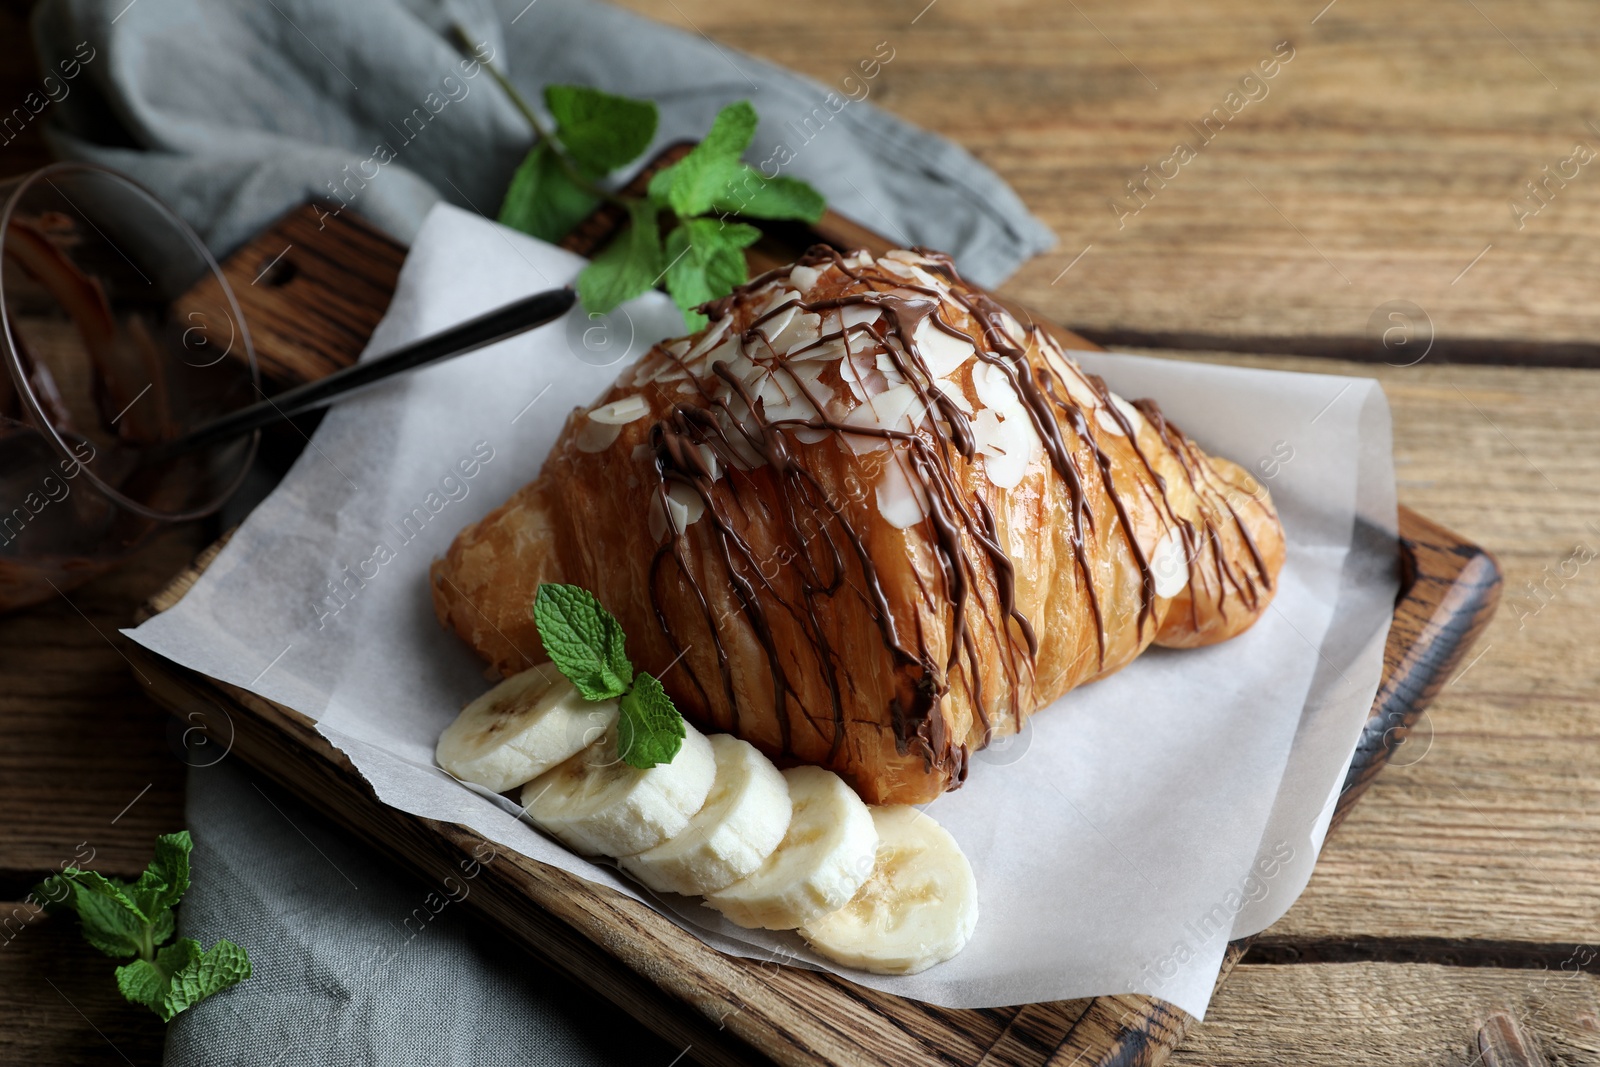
486 329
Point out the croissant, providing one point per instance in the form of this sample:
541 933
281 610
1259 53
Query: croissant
867 520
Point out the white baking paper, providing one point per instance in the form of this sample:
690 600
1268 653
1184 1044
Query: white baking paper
1119 842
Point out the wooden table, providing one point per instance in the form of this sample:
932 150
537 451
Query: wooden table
1461 902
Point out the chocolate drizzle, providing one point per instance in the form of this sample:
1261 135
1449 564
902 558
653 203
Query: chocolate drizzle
1202 479
710 448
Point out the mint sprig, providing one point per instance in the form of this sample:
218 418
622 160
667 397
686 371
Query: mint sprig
680 232
585 642
649 730
123 919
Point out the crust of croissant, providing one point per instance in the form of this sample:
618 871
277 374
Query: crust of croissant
898 727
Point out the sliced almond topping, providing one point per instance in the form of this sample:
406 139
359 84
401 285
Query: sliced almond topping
1168 567
596 436
995 389
894 266
801 330
952 389
804 278
901 500
942 352
621 412
853 315
714 333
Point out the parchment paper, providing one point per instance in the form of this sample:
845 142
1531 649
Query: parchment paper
1119 842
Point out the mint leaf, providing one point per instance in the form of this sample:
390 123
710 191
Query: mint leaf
181 976
660 189
629 265
730 132
706 260
142 982
226 964
110 920
746 191
542 198
649 730
699 177
132 920
163 883
147 982
584 640
600 131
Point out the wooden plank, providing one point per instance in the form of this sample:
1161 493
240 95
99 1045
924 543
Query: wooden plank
312 288
1382 161
1488 829
1334 1015
87 759
62 1004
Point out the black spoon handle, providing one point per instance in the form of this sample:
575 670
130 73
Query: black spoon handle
486 329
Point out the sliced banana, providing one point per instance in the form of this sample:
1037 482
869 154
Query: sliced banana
828 852
598 805
742 823
521 728
919 907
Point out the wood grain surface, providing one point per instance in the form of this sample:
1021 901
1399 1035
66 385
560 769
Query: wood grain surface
1401 1015
62 1006
1489 828
1394 141
1381 161
85 764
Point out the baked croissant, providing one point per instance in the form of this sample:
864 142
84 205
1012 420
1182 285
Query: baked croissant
864 519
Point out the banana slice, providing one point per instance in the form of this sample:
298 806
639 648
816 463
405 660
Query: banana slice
599 805
825 857
742 823
521 728
919 907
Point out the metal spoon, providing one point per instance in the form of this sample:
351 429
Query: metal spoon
486 329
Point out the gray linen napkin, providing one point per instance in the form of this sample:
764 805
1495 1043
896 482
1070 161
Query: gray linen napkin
359 962
236 111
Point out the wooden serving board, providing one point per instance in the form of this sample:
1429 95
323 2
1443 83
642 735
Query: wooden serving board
311 288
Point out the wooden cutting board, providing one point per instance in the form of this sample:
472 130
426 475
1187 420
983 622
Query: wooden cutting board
311 288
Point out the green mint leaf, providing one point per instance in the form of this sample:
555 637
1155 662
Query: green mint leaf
584 640
142 982
706 260
200 976
107 914
542 198
124 920
746 191
164 882
148 982
602 132
699 177
730 131
649 730
182 976
630 264
660 188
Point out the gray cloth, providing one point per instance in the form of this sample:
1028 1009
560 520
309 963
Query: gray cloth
358 962
236 111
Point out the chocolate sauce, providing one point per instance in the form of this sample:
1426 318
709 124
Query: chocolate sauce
830 559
